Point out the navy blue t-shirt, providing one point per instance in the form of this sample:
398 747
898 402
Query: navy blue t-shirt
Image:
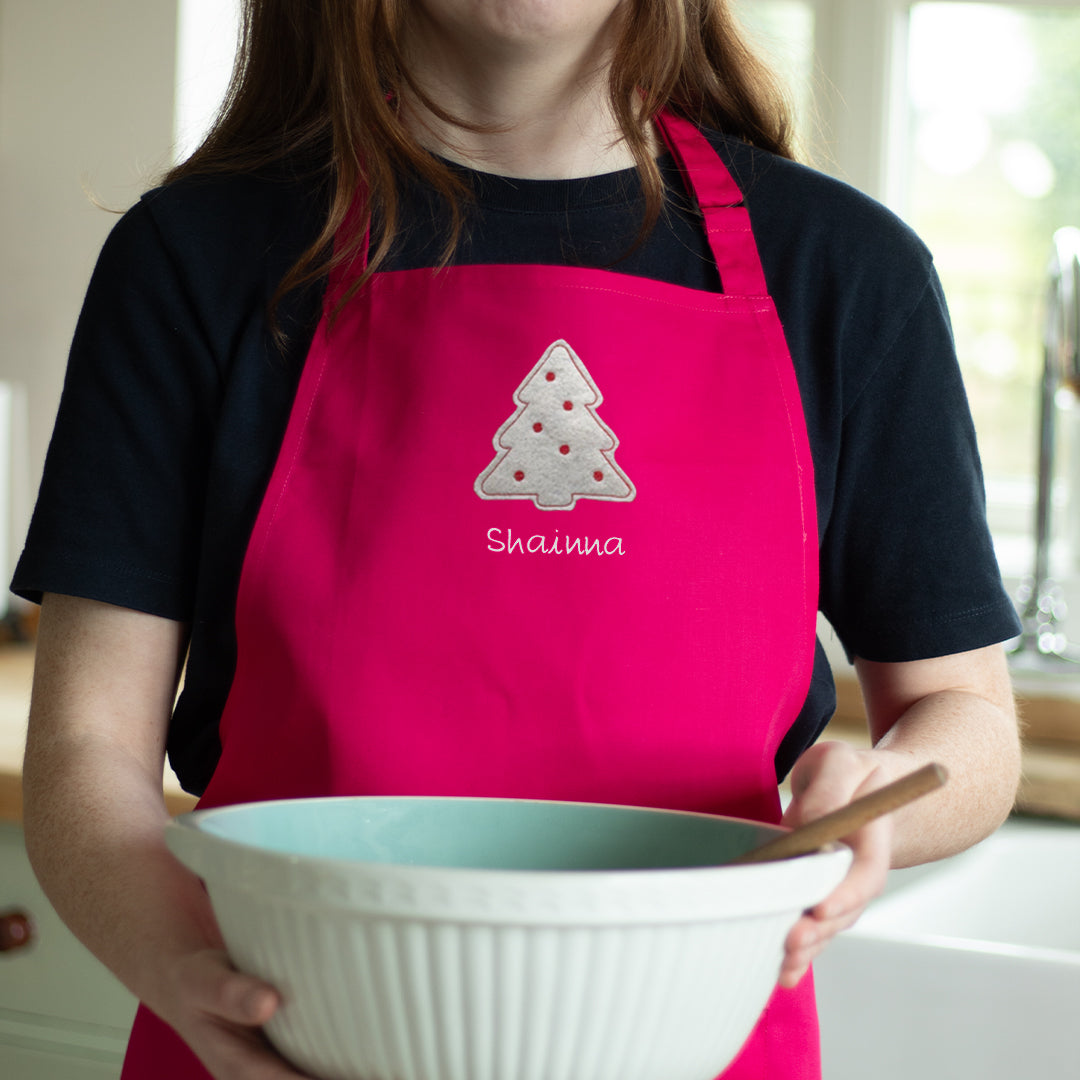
176 399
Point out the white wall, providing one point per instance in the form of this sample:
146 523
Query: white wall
86 104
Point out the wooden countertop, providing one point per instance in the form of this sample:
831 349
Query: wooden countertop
1050 709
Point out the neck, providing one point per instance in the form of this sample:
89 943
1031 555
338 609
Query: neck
533 110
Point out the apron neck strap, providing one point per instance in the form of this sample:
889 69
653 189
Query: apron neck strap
727 221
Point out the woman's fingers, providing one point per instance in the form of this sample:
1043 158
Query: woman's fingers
842 908
209 983
827 777
871 846
221 1012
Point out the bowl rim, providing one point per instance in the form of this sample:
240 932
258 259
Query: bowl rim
683 894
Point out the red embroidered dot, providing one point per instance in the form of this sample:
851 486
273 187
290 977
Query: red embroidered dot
519 476
550 376
598 476
564 449
538 427
567 405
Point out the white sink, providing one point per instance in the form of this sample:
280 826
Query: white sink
967 968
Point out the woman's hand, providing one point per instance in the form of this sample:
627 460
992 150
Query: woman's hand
956 710
218 1012
828 776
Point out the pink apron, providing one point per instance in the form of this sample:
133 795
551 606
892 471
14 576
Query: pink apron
536 531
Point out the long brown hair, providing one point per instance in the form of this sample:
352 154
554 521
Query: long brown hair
317 81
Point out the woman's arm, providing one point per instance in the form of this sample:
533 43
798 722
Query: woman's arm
956 710
104 682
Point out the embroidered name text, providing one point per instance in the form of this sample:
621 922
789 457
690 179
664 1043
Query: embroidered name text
538 544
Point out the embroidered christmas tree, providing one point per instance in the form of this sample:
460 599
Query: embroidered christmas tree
554 449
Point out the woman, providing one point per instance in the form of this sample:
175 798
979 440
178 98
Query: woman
554 521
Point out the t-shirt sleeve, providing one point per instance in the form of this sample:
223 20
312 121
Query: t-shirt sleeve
908 569
119 510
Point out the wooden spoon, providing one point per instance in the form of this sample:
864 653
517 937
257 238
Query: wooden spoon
814 835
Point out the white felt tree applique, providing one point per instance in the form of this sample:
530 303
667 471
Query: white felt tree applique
555 449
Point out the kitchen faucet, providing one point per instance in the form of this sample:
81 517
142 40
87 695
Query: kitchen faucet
1042 642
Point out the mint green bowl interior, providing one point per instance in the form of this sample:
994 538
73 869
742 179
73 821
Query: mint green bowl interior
490 834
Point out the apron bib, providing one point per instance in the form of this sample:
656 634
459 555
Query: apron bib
539 532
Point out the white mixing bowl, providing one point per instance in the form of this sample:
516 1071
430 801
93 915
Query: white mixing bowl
501 939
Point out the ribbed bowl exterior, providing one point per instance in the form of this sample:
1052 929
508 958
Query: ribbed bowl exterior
371 998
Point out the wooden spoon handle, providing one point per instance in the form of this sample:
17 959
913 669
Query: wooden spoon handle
824 830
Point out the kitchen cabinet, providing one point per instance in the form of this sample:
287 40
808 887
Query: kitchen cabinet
63 1016
969 967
